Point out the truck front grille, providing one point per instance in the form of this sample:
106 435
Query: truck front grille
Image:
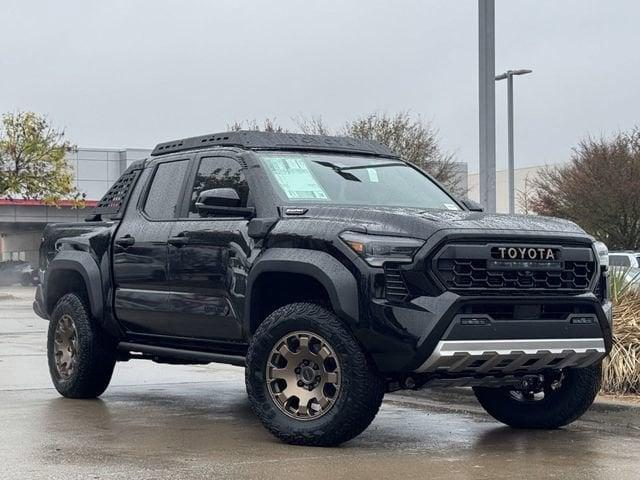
470 269
458 274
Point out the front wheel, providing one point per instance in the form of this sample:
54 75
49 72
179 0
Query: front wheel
555 401
308 380
81 356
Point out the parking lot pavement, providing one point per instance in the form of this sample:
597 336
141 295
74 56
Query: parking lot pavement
161 421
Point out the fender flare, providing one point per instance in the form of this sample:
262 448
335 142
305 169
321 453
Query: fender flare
84 264
337 280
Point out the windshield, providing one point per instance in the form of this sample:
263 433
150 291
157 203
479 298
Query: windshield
352 180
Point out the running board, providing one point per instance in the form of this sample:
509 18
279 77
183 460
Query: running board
166 352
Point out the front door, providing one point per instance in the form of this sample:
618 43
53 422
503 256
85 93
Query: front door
208 259
140 251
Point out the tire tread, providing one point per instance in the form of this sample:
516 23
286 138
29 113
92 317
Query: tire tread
365 389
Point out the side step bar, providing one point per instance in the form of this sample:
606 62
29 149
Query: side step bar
178 353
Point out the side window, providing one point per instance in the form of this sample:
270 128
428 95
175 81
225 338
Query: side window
218 172
164 193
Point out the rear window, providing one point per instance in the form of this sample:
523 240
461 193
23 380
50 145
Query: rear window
164 194
619 261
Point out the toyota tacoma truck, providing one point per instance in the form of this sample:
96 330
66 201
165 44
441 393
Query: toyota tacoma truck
334 272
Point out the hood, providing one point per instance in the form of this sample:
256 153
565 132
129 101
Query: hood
422 224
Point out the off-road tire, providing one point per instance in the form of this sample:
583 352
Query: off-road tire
361 389
572 399
95 356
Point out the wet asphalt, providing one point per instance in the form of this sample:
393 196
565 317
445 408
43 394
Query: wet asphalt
175 422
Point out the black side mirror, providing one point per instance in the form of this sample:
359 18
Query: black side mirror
222 202
471 205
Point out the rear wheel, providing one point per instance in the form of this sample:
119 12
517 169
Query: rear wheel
307 378
556 400
81 356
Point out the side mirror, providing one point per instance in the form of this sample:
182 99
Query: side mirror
472 205
222 202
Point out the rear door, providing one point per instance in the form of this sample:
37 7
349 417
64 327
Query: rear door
208 257
140 250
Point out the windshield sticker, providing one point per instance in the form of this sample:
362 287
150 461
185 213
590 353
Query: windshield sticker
295 179
373 175
451 206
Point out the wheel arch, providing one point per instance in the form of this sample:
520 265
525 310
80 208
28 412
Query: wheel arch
69 272
299 265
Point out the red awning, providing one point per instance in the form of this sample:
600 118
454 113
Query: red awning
38 203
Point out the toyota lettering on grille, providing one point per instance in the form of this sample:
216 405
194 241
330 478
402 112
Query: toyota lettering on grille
524 253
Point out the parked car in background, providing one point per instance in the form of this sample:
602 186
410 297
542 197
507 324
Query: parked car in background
625 266
17 271
624 259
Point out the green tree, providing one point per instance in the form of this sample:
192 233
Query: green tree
598 189
33 161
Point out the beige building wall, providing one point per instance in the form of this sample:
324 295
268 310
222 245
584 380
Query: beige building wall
522 177
20 246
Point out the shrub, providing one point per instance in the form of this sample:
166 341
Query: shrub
621 372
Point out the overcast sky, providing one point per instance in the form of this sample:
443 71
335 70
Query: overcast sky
134 73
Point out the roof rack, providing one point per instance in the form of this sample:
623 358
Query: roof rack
253 140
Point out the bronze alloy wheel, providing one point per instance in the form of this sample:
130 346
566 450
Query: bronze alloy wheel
303 375
65 346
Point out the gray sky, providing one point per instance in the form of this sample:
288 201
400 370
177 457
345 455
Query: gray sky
134 73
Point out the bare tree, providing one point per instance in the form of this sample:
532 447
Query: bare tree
598 189
267 125
525 194
413 139
313 125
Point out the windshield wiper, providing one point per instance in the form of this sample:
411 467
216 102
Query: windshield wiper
343 171
338 168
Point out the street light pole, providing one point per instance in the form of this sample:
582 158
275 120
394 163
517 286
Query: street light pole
508 75
487 104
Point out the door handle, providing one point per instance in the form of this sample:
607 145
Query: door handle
178 241
125 241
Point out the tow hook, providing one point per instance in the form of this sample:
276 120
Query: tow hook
532 383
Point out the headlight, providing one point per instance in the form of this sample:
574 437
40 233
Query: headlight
603 253
378 249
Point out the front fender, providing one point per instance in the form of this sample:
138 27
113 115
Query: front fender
337 280
84 264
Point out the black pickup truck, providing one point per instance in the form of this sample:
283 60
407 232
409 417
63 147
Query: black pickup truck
332 270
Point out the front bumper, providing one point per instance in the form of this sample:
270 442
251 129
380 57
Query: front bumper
442 335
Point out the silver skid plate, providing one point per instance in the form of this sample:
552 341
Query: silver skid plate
508 356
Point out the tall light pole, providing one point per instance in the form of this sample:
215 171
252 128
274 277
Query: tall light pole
509 74
487 104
